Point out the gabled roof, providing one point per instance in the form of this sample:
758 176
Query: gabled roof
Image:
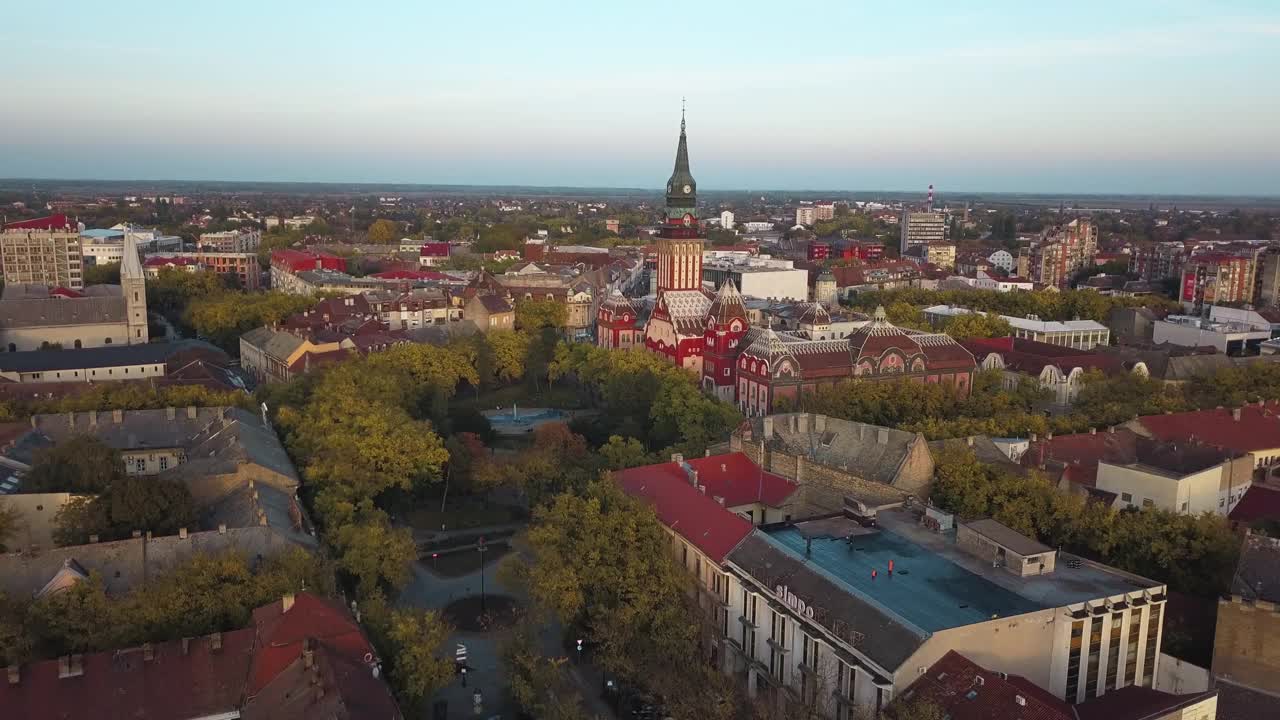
1134 702
1257 429
1260 502
695 516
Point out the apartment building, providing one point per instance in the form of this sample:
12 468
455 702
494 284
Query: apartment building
49 257
1059 253
232 241
243 265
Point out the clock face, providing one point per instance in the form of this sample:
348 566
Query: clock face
687 189
688 220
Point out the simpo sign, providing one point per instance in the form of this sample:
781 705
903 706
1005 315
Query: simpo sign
793 602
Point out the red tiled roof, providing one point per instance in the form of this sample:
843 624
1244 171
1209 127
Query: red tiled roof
281 635
1031 356
1257 429
739 481
434 249
50 222
300 260
123 685
698 518
952 683
1259 503
411 275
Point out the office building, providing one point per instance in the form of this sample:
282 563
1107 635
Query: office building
922 228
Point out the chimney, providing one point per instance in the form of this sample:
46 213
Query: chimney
137 534
64 667
1048 435
718 499
882 436
677 458
191 412
969 441
182 533
262 518
93 418
186 645
93 539
1093 431
803 422
14 675
1033 437
286 602
71 420
819 423
76 666
768 427
1235 414
693 477
215 641
34 423
1111 430
1021 701
148 653
117 416
148 536
791 422
307 658
170 412
222 528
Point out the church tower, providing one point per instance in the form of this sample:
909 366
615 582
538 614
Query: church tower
680 238
133 283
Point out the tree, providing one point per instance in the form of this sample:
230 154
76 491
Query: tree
225 316
621 453
417 669
533 315
540 685
977 325
374 553
384 232
131 502
103 274
82 464
507 353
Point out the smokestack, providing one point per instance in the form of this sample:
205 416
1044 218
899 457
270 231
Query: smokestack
929 205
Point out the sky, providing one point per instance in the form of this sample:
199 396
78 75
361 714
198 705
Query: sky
1124 96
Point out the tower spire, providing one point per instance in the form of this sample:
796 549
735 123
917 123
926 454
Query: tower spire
681 115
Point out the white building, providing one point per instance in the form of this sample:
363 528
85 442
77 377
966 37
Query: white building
757 226
99 247
806 215
983 281
761 276
1002 259
726 220
1231 338
1078 334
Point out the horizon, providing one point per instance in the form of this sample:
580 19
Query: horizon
1119 101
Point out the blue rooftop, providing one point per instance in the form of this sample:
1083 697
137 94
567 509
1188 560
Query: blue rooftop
926 588
102 233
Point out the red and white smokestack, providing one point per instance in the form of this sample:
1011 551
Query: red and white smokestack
929 207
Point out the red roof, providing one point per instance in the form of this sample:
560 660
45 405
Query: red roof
435 249
1134 702
738 480
965 690
1260 502
51 222
281 635
1031 356
300 260
698 518
1257 429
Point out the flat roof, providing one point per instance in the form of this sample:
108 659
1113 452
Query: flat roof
935 585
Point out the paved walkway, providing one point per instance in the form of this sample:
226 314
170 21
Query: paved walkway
431 591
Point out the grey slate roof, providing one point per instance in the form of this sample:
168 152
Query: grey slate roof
1007 536
884 639
1258 570
57 312
844 444
127 564
105 356
273 343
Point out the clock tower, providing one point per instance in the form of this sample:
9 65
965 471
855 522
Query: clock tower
680 238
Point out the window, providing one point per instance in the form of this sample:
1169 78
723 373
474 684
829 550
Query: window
140 465
78 344
1073 660
1153 640
1184 507
1148 502
1127 497
1113 651
1131 652
106 341
164 462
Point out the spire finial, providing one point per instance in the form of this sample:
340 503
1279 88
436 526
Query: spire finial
682 114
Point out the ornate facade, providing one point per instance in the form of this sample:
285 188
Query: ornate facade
710 334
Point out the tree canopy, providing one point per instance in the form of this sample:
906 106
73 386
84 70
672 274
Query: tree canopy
82 464
130 502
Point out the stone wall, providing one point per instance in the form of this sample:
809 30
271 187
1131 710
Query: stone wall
1246 649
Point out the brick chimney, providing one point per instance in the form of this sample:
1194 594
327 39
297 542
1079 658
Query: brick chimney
171 412
117 416
1235 414
677 458
215 641
286 602
191 412
182 533
819 423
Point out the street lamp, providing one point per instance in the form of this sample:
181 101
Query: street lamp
480 546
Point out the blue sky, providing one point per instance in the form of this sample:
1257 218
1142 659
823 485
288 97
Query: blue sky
1119 96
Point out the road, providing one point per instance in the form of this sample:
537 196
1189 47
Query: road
431 591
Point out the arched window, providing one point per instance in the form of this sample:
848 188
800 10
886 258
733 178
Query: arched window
106 341
79 344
